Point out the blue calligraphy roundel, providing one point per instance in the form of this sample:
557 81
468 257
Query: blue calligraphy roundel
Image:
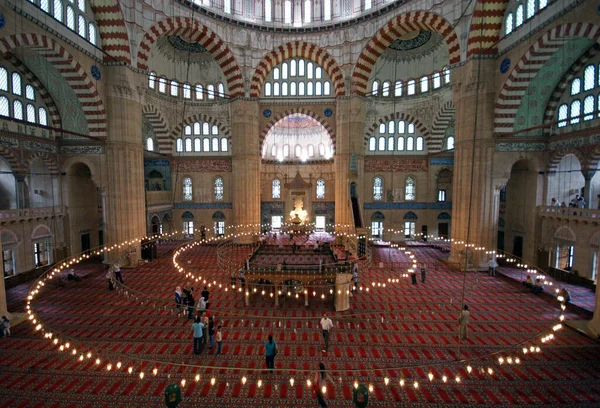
328 112
267 113
504 65
2 20
96 72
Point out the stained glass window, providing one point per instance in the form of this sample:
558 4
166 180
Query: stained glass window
218 186
276 189
187 189
320 189
409 189
377 188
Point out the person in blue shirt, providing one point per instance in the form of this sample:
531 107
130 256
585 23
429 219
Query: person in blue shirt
270 352
197 329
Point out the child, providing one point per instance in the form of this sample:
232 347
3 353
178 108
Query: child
6 326
219 338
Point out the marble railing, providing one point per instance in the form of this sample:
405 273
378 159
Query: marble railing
19 214
583 214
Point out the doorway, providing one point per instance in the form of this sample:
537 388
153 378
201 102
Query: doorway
320 223
85 242
518 246
500 245
276 222
443 230
424 232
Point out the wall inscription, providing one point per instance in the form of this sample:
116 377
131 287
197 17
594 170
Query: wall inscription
410 165
203 165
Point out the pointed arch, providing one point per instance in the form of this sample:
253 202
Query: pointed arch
199 117
565 233
71 71
159 125
196 33
556 157
372 130
486 26
438 130
395 29
12 159
111 27
280 115
297 49
49 161
528 66
593 159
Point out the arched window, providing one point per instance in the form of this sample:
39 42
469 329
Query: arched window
215 144
81 5
286 150
30 113
411 87
420 145
219 190
410 189
450 143
17 109
45 5
42 116
320 189
276 89
310 67
70 18
390 143
162 85
508 23
292 88
3 79
575 111
519 16
588 107
321 149
174 88
17 88
424 84
287 12
187 189
391 126
589 77
4 106
81 26
284 89
187 91
211 92
197 145
267 89
224 144
368 4
543 4
58 10
311 150
446 72
284 70
326 88
197 130
410 142
398 88
307 11
179 145
206 144
221 89
385 89
268 10
372 143
151 80
401 143
326 10
318 88
149 144
276 189
375 88
298 151
381 146
401 126
274 150
227 6
575 86
530 8
437 80
377 189
29 92
199 92
92 33
382 128
411 128
318 72
188 144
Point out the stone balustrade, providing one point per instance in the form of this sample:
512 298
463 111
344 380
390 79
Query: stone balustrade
570 213
22 214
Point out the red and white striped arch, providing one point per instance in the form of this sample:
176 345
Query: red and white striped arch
197 117
194 32
593 159
297 49
527 68
112 30
44 157
394 29
373 129
53 113
281 115
12 157
440 124
71 71
556 157
486 26
159 125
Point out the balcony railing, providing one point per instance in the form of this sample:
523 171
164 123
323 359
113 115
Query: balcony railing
570 213
20 214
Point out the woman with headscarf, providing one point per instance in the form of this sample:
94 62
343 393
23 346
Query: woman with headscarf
178 297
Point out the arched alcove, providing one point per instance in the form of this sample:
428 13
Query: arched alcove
84 203
8 187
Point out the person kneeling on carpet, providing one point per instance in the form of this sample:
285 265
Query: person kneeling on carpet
528 282
565 294
538 287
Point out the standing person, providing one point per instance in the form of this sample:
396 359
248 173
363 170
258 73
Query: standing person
118 276
110 277
5 326
492 265
197 329
413 276
201 307
219 338
211 332
463 322
190 305
242 279
205 322
326 325
270 352
320 383
423 272
178 297
355 277
205 293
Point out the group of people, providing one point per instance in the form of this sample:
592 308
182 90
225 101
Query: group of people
536 287
204 332
576 202
184 298
413 274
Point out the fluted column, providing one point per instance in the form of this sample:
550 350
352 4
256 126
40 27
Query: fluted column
246 166
350 123
123 193
474 207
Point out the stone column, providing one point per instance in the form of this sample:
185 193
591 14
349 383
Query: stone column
474 216
350 123
3 307
123 193
21 191
587 191
245 166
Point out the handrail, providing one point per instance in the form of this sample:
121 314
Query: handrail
569 212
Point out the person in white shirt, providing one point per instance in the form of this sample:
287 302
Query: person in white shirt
555 202
326 325
463 322
117 268
492 265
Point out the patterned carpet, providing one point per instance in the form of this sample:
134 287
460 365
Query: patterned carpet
400 331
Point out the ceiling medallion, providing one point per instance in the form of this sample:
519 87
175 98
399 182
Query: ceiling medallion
412 40
182 45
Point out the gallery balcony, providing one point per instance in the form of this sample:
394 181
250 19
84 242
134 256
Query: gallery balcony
30 214
583 215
